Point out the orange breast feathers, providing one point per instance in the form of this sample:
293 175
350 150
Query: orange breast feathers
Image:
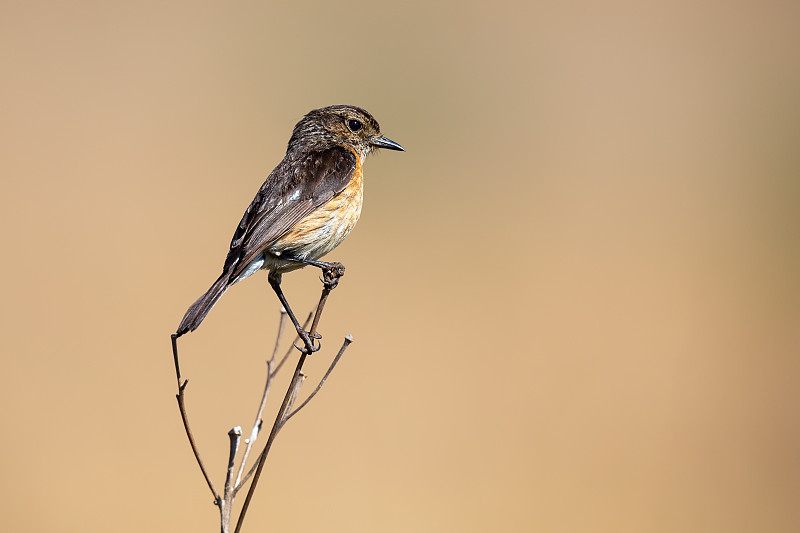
325 228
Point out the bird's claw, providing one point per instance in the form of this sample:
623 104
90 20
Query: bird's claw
308 339
331 274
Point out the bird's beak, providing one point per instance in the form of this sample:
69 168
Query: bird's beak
383 142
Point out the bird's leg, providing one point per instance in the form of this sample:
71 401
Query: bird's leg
275 283
331 272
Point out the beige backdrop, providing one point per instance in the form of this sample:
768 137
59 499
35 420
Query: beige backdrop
575 297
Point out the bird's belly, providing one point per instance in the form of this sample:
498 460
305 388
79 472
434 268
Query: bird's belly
323 230
316 234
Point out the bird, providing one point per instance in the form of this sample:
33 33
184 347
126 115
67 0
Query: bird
305 208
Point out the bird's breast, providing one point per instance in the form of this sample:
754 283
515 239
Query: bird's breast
327 226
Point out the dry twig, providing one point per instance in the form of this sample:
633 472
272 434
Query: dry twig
234 483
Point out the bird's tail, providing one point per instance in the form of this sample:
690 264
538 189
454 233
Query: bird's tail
198 311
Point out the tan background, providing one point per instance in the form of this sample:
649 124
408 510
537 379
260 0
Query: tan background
575 297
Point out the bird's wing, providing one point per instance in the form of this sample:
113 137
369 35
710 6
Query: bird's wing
293 190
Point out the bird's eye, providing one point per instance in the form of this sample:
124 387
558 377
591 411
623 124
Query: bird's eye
354 125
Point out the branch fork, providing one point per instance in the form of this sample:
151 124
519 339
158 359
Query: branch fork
236 478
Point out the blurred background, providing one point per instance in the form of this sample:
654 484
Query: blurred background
575 298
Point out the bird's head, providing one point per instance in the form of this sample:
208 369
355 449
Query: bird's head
340 125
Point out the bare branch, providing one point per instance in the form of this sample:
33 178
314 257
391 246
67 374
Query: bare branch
297 386
235 436
330 280
279 336
258 422
226 504
296 338
272 434
234 480
347 340
272 370
174 339
185 419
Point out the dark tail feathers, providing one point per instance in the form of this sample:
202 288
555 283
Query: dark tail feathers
198 311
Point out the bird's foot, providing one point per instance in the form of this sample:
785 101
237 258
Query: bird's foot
331 274
308 340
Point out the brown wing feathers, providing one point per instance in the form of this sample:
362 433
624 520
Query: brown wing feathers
312 181
299 184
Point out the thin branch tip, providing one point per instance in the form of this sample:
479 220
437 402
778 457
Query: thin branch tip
236 478
256 430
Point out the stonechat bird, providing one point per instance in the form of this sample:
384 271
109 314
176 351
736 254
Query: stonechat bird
304 209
